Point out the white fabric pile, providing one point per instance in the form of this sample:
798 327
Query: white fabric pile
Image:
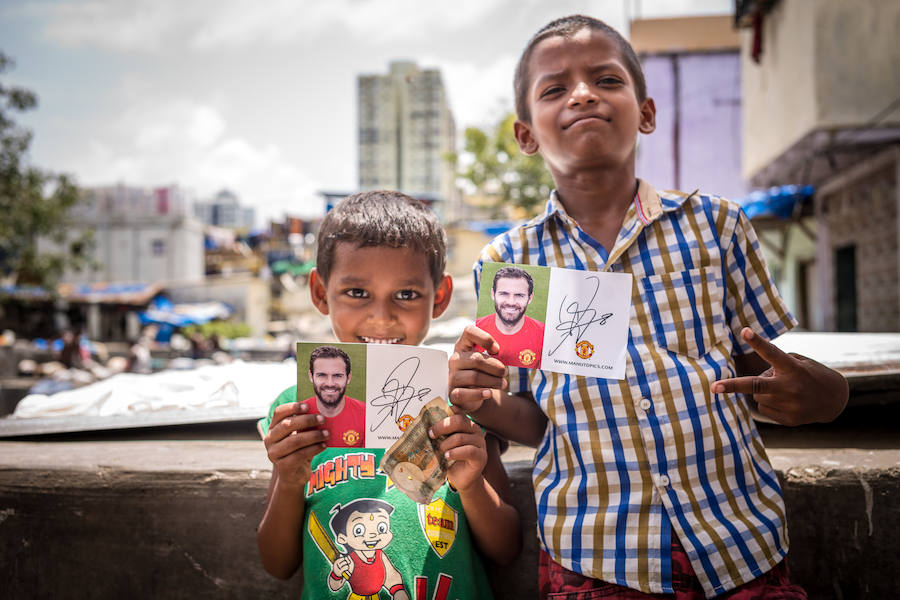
238 384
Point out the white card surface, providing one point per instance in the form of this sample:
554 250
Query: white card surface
386 387
584 316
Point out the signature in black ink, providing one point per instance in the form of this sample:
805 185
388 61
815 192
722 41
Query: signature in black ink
396 395
579 319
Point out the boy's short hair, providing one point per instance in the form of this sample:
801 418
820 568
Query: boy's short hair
382 218
513 273
341 514
328 352
568 27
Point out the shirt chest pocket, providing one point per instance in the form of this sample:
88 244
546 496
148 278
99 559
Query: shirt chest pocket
687 310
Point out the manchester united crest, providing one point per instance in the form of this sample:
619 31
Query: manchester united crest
584 349
351 437
404 421
527 357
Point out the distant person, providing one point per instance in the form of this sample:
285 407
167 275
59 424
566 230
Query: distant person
139 359
75 352
521 338
345 417
198 345
70 354
214 344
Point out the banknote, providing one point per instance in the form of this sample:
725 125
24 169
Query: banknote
414 463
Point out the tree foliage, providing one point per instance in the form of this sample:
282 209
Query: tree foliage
494 166
34 204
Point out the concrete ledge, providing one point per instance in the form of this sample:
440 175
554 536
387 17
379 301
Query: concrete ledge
177 519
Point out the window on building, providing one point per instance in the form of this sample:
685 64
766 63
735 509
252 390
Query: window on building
158 247
845 285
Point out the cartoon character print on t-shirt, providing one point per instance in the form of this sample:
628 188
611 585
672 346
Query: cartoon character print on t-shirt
363 528
360 533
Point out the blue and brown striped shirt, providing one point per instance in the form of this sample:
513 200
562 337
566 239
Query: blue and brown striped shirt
624 465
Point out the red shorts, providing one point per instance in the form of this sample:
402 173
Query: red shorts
558 583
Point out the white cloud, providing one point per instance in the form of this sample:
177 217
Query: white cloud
128 25
189 144
152 25
479 94
242 22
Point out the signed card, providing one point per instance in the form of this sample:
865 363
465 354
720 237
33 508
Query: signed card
560 320
368 393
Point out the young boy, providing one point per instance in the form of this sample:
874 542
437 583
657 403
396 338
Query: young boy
380 278
658 483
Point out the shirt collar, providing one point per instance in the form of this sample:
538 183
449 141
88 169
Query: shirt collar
648 205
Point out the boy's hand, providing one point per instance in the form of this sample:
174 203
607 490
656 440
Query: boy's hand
794 390
474 374
292 441
464 445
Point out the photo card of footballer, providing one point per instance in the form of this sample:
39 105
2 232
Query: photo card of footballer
561 320
368 393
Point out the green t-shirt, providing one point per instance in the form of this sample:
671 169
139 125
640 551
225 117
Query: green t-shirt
389 539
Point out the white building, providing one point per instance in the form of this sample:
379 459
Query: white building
140 235
406 130
225 210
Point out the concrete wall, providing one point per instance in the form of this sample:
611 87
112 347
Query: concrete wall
860 207
177 519
702 92
825 64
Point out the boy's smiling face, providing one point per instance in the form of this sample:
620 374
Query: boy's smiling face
379 294
584 108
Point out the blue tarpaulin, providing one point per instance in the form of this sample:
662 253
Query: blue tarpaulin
779 201
163 312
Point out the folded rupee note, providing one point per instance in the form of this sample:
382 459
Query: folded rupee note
414 463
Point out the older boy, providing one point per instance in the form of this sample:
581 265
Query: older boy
380 278
658 483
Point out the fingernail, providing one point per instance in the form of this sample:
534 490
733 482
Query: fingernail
447 454
320 419
485 394
326 433
716 388
431 433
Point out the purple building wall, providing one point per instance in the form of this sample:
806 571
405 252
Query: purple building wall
704 89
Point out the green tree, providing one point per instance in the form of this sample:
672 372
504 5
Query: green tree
34 204
494 166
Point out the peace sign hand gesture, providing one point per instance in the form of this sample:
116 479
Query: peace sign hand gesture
793 390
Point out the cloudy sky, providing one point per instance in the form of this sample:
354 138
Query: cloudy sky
257 97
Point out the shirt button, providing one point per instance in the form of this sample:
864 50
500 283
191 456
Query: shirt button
662 481
645 404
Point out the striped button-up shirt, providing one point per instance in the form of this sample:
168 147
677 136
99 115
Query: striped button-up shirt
624 465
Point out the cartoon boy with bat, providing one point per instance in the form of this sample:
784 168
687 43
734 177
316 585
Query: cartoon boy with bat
364 528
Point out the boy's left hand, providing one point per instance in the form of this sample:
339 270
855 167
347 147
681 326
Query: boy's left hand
464 445
794 390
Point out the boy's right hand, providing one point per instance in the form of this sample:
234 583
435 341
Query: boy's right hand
474 374
294 438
